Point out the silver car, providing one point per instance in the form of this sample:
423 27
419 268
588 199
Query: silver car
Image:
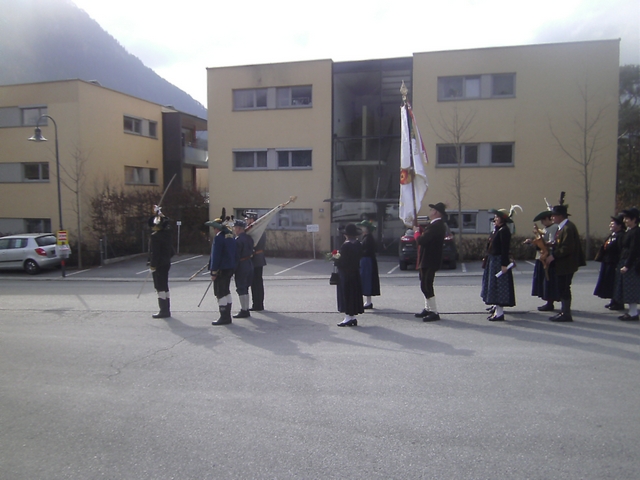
29 251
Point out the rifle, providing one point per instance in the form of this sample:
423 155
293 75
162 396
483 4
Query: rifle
197 273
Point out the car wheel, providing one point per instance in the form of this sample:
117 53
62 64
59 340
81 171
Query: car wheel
403 265
31 267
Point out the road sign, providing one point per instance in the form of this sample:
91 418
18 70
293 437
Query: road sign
313 228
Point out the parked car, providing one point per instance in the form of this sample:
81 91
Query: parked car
353 211
408 255
29 251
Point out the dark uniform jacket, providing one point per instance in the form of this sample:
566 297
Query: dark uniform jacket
567 250
431 243
160 249
500 243
223 253
259 259
630 252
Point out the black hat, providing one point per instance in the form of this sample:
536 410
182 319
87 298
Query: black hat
439 207
240 223
560 210
632 212
619 219
351 230
541 215
502 213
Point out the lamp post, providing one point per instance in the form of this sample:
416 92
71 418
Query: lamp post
37 137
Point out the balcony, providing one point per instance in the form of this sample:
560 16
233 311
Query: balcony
195 155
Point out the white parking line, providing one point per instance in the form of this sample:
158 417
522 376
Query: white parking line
172 263
75 273
291 268
464 268
393 269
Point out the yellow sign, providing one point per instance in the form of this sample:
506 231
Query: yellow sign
62 237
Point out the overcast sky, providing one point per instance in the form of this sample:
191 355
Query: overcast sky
180 39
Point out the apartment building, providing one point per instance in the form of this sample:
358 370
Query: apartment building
501 126
104 138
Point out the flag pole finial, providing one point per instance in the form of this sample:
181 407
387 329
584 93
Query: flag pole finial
404 91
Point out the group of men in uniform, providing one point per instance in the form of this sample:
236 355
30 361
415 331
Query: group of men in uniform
234 254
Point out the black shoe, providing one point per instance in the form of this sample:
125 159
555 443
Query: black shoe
256 309
242 314
349 323
368 306
491 309
496 318
547 307
222 321
422 314
431 317
162 314
615 306
629 318
561 317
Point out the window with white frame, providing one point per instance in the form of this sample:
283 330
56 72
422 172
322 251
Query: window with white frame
299 96
286 219
250 160
476 155
35 172
469 221
448 154
250 99
37 225
294 159
273 159
472 87
31 115
140 176
132 125
140 126
293 96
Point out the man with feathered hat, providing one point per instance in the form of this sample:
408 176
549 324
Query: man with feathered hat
160 253
222 264
566 255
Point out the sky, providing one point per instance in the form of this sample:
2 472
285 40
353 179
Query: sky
180 40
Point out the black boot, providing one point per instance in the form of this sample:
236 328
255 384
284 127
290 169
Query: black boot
164 312
565 313
225 315
242 314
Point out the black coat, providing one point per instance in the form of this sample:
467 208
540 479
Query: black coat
430 245
160 249
349 289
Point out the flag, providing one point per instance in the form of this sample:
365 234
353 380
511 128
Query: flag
257 228
413 176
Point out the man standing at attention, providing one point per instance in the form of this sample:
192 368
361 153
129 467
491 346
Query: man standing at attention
430 244
568 257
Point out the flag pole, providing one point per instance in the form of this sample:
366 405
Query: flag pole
404 91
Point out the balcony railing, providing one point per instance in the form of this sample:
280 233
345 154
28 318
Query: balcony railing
195 156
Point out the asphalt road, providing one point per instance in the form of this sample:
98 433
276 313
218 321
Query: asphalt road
92 387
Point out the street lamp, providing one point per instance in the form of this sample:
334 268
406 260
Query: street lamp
37 137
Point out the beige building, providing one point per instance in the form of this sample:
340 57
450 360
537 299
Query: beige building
329 132
104 138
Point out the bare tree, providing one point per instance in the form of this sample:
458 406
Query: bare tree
584 145
74 181
454 132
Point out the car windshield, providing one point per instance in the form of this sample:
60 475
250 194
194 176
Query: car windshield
46 240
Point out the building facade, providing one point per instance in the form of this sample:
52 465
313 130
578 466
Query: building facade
502 126
105 138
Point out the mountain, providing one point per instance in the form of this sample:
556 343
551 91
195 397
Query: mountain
47 40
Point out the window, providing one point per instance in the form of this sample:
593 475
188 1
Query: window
272 159
132 125
480 155
469 221
38 225
502 154
447 155
294 96
503 85
250 160
286 219
470 87
272 97
140 176
153 129
294 159
36 172
31 115
250 99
